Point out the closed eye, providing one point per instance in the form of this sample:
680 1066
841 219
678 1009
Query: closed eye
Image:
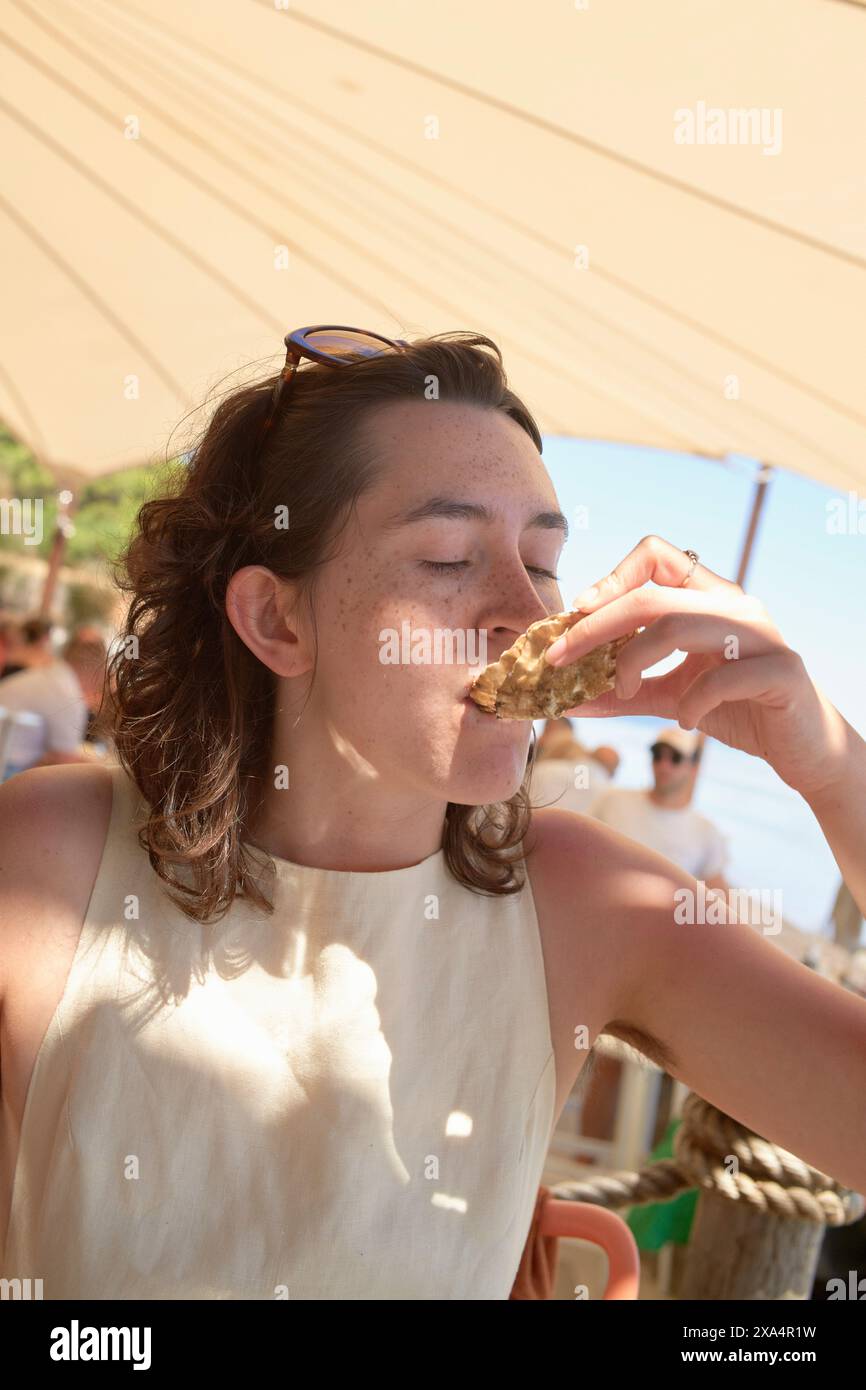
441 566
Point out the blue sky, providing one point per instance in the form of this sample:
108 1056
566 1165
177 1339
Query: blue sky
812 581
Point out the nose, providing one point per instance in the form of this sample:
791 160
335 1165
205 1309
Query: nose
516 604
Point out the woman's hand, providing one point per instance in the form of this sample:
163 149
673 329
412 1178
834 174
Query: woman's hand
740 682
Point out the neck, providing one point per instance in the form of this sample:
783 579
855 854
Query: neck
337 812
673 798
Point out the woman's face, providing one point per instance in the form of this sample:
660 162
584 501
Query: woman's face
412 723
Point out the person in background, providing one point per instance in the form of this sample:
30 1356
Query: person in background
662 816
10 636
567 775
30 647
61 694
97 722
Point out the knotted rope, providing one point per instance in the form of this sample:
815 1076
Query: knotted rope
767 1177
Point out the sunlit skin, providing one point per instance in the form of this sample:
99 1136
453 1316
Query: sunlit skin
379 750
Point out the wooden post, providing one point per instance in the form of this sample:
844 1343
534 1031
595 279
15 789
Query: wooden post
736 1251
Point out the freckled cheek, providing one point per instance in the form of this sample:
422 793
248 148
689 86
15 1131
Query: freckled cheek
370 599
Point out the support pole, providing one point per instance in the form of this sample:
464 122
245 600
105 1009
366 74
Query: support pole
63 529
763 478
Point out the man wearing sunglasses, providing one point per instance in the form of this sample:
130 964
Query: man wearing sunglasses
662 817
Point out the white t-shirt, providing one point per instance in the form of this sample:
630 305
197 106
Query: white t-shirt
684 836
52 693
569 784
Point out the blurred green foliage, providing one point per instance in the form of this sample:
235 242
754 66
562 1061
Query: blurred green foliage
106 507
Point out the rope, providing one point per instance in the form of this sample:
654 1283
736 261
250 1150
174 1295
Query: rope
769 1178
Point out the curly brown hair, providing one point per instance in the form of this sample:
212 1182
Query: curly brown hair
193 706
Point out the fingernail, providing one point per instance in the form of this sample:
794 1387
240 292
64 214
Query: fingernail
555 650
587 597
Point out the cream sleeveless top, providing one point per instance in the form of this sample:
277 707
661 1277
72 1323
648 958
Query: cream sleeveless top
350 1099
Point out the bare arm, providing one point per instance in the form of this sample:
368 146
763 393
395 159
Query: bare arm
840 809
752 1030
728 1012
53 823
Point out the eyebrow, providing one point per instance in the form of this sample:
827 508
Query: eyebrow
454 508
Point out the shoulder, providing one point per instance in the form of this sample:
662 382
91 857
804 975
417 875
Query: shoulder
53 826
46 808
577 849
595 878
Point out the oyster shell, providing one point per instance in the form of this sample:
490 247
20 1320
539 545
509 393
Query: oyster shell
521 685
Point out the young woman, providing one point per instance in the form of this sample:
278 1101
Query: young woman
284 1015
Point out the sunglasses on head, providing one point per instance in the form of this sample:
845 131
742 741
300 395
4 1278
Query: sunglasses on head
659 750
329 343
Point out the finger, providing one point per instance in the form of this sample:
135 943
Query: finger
658 695
711 634
639 608
652 559
766 679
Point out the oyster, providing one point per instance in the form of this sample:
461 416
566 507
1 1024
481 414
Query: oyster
521 685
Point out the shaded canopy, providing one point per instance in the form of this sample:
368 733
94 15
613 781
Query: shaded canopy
540 173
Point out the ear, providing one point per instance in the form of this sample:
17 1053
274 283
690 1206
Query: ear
264 611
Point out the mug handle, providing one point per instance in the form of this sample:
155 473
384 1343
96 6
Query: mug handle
584 1221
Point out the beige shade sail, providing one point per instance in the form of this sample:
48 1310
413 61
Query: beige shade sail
658 211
